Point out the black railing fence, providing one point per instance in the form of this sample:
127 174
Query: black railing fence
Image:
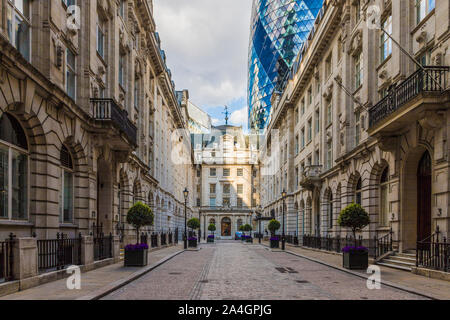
144 238
292 238
383 244
420 81
336 244
6 259
170 237
176 236
434 253
59 253
103 247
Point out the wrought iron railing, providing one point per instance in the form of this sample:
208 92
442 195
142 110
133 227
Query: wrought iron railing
163 239
144 238
6 259
383 244
336 244
170 237
433 253
59 253
108 110
420 81
103 247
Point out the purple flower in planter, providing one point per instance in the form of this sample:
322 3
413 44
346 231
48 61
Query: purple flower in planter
192 239
211 236
136 247
354 249
274 239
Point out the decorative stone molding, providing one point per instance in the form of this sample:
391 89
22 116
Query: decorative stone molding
431 120
387 143
328 93
356 43
422 38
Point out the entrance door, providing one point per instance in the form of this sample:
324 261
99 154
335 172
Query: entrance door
226 227
424 197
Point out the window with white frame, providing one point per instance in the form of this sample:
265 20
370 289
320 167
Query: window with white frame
226 172
358 65
70 73
423 8
212 172
13 169
296 145
240 172
384 203
18 25
385 41
329 154
240 189
66 191
101 38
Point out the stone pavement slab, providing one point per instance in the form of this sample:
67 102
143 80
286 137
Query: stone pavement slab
437 289
92 282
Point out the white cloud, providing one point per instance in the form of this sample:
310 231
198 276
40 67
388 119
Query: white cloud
206 43
239 117
215 121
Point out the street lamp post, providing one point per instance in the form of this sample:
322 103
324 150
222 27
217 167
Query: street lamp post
186 194
283 237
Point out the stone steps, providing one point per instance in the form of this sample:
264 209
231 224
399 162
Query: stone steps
402 261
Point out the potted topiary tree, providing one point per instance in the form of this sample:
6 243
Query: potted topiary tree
248 228
211 228
273 226
356 218
138 216
193 224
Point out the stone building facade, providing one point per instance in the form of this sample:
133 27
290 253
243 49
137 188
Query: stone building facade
359 121
89 119
226 179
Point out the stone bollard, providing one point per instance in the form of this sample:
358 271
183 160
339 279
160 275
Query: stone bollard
87 250
25 263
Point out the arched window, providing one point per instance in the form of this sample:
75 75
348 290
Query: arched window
13 169
384 203
66 191
358 192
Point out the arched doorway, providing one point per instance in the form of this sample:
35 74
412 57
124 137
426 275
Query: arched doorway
424 197
226 227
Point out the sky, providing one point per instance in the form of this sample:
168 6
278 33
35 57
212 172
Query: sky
206 44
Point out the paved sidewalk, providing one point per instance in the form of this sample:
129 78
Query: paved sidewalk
91 282
438 289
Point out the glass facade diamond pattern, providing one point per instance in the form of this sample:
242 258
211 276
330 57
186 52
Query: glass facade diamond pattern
278 30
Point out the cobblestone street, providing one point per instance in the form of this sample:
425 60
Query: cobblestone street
231 270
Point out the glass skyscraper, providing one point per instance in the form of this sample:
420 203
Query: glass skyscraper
278 30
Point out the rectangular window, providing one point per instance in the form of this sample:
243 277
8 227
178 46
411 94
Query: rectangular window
136 94
239 203
296 177
69 3
121 67
310 96
240 188
424 7
296 115
199 172
309 130
240 172
302 137
357 128
212 188
67 197
198 202
70 73
302 107
317 157
226 172
19 186
317 116
226 202
122 8
212 172
329 113
385 41
358 63
296 145
212 202
18 26
330 154
227 188
4 156
100 40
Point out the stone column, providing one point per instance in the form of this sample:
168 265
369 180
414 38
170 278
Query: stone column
116 248
87 250
25 263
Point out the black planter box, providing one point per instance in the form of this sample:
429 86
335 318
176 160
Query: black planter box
249 240
192 243
210 240
355 260
136 258
275 244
